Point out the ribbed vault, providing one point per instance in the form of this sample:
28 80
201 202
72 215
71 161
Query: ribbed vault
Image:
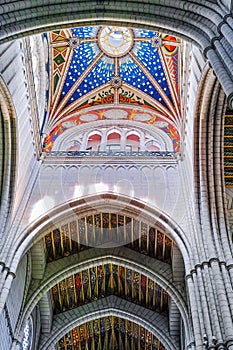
110 307
76 276
105 229
80 282
208 24
59 270
104 280
109 332
116 203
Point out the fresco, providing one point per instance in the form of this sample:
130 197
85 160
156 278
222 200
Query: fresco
119 114
104 65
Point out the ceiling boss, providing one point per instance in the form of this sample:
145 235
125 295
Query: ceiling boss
115 41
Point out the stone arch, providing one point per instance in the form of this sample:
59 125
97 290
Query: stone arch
38 47
8 147
210 231
160 273
34 232
133 139
153 145
92 203
84 129
209 124
132 132
72 145
201 23
111 306
114 129
98 135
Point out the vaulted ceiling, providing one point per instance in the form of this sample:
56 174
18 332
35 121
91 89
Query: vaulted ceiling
64 244
110 333
114 73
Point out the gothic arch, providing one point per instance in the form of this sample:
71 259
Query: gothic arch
204 24
88 128
94 258
111 306
8 146
211 219
127 205
209 125
34 232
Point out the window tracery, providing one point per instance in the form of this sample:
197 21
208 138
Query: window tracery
115 139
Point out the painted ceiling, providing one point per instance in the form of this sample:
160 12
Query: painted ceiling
113 68
109 333
76 236
105 280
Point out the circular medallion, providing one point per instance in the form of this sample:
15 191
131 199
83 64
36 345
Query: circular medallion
88 117
116 114
116 82
115 41
142 117
160 124
69 124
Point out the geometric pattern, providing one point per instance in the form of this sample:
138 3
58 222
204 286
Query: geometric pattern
85 62
105 280
228 150
109 333
73 237
134 114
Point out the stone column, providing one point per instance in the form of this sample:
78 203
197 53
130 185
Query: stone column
103 141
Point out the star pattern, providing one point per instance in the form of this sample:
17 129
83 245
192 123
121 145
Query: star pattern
133 75
85 32
82 58
149 57
84 72
143 33
103 71
99 75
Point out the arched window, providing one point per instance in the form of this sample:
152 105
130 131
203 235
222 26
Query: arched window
152 146
74 146
94 141
133 142
114 141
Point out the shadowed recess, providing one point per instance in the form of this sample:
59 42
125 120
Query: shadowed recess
113 229
110 333
104 280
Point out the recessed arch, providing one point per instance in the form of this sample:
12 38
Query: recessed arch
85 14
112 306
180 19
61 142
109 201
8 147
119 257
210 52
132 132
114 130
112 331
